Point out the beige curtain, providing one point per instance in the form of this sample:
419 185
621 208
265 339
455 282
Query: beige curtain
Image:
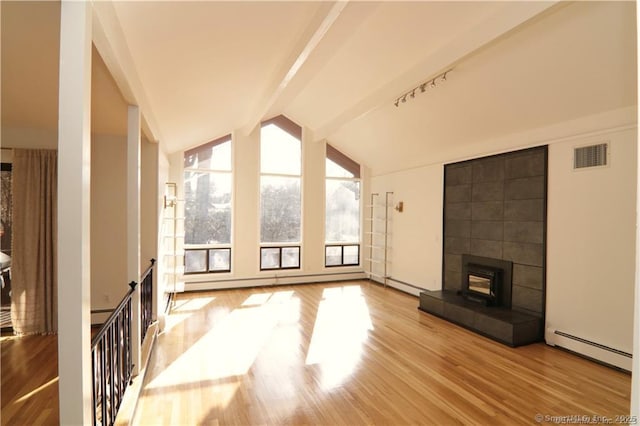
34 290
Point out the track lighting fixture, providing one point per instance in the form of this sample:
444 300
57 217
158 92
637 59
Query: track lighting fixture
432 83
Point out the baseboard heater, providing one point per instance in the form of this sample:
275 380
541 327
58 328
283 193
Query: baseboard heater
597 351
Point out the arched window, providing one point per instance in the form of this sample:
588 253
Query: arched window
207 207
342 210
280 194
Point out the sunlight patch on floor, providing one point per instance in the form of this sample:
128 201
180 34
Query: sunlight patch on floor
35 391
342 325
183 309
192 304
232 344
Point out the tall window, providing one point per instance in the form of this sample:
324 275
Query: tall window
6 208
207 221
280 207
342 212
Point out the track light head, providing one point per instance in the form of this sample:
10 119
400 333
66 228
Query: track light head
432 84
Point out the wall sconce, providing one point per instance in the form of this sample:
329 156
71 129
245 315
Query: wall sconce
169 201
399 207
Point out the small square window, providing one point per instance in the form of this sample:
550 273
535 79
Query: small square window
351 255
333 255
270 258
290 257
195 261
220 260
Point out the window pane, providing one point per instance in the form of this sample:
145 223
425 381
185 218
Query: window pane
6 206
342 211
351 255
279 151
290 257
279 209
332 255
269 258
207 207
219 260
213 158
335 170
195 261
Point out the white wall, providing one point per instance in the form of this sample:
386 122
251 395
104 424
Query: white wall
148 203
416 233
591 243
591 228
108 222
24 137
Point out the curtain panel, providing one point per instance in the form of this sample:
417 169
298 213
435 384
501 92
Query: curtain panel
34 296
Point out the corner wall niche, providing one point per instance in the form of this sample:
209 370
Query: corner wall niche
495 208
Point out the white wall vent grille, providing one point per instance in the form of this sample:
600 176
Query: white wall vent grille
590 156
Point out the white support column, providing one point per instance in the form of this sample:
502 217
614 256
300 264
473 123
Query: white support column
74 191
635 369
133 225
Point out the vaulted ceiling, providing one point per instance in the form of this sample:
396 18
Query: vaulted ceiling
200 70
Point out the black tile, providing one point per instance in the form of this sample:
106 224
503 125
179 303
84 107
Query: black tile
525 165
501 330
527 298
454 245
458 228
431 304
488 191
488 170
453 262
452 280
457 211
457 193
486 248
523 232
528 276
524 210
457 175
487 210
523 253
524 188
487 230
459 314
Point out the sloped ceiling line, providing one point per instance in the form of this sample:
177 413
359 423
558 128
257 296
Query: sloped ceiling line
290 69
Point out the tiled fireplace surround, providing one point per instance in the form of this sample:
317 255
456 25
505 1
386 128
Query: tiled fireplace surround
495 207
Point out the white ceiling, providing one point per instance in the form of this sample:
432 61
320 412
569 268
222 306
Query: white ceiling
200 70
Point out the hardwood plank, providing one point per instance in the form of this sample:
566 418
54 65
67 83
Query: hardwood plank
354 353
29 388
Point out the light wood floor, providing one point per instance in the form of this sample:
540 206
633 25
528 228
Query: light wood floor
354 353
29 390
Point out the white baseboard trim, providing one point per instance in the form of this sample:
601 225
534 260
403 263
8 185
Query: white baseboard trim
273 281
589 349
